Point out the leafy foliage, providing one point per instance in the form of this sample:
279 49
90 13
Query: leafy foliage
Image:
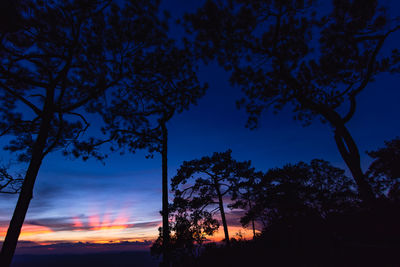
270 48
163 82
203 184
55 64
62 62
189 230
385 169
282 54
300 190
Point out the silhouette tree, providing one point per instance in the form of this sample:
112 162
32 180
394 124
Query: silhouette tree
282 54
189 229
65 55
385 169
317 190
213 178
165 83
191 224
244 195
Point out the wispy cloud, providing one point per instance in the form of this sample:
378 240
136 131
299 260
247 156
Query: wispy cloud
93 228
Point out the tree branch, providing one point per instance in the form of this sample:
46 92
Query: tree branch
370 70
25 101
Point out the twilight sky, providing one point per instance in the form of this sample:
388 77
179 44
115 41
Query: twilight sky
120 201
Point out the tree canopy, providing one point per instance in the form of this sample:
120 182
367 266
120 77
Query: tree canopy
206 182
163 82
385 170
284 53
59 64
315 189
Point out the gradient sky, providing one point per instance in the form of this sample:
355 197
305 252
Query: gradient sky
120 201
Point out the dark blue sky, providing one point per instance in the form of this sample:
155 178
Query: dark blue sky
129 186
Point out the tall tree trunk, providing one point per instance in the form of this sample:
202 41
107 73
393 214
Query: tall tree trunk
222 211
252 223
347 147
254 229
165 213
26 194
350 154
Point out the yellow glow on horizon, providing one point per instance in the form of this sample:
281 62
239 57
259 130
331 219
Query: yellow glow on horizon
109 234
32 230
104 232
27 230
105 228
233 231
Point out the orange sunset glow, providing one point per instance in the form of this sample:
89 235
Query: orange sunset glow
107 234
112 225
170 133
102 228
